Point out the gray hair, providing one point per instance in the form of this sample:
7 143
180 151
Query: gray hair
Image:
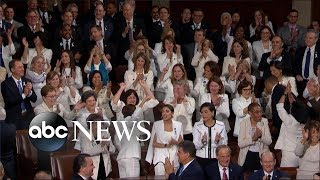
223 147
316 33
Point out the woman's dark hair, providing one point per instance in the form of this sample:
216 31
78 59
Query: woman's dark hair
279 65
51 75
218 81
210 106
42 36
126 94
299 112
238 26
214 68
46 89
171 39
91 77
244 84
72 61
243 43
128 110
253 23
169 107
94 117
262 28
79 162
183 69
88 94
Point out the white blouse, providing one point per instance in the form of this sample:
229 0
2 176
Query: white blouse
130 76
198 62
163 62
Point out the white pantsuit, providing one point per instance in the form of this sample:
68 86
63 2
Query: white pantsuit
7 52
238 105
230 61
57 108
163 62
198 61
168 87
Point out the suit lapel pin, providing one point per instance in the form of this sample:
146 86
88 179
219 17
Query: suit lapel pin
316 55
192 26
61 44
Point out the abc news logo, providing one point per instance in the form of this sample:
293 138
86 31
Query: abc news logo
49 132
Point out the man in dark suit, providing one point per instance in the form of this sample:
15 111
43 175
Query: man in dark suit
189 50
128 28
307 60
189 28
223 168
82 167
314 98
48 18
7 144
4 25
17 94
189 168
268 162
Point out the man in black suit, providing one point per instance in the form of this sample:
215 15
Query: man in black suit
307 60
17 94
223 168
128 28
189 168
7 144
4 25
189 28
268 162
65 41
82 167
48 18
189 50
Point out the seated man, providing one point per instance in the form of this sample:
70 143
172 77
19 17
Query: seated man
189 168
82 167
268 162
223 168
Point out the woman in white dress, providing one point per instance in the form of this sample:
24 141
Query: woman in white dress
203 56
68 70
208 134
166 134
259 19
260 47
166 32
66 95
219 99
170 55
276 68
8 49
239 51
103 92
98 149
241 103
37 73
178 73
39 49
308 150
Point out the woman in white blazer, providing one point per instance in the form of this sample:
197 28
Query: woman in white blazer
103 92
259 19
203 56
254 139
37 73
39 49
68 71
50 104
276 68
66 95
219 99
178 73
166 134
8 49
208 134
291 130
98 149
141 71
171 55
260 47
239 51
241 103
131 97
184 107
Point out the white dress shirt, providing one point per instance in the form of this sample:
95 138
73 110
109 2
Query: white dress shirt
311 70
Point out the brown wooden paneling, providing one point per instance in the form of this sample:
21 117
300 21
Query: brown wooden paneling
315 9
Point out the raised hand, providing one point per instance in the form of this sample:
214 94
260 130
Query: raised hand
25 42
122 85
218 137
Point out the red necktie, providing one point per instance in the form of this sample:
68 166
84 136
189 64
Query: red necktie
224 176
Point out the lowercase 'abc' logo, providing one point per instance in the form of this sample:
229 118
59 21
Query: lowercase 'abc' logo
48 132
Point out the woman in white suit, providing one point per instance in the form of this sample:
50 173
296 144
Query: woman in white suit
254 139
291 129
208 134
260 47
241 103
8 49
219 99
205 55
171 55
166 134
98 149
141 71
184 107
276 68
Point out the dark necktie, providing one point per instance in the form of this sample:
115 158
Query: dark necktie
269 177
100 24
130 33
307 64
224 176
1 59
23 106
68 44
180 171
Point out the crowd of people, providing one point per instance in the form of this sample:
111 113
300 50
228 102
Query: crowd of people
69 63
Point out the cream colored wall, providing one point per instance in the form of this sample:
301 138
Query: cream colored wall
304 8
